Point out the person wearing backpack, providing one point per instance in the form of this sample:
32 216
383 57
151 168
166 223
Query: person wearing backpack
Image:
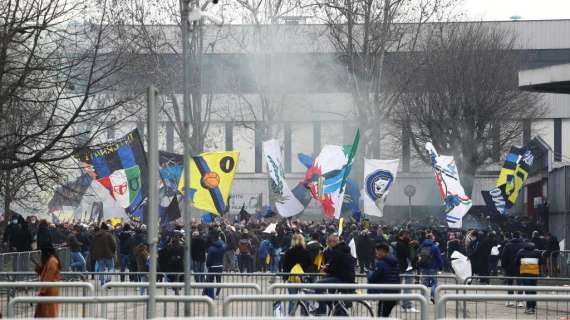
529 261
429 262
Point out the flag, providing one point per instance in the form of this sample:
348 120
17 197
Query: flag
172 212
243 214
280 194
211 178
340 226
510 181
455 202
326 178
70 194
379 177
170 170
120 166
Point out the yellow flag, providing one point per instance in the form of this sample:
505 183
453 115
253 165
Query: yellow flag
116 221
211 178
340 226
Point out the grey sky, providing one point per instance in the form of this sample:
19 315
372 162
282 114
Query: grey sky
527 9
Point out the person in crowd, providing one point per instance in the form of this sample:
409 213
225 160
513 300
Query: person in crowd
231 247
479 256
124 254
171 258
199 247
103 252
245 259
315 248
364 251
494 255
44 236
552 251
49 271
508 262
538 241
339 266
297 255
264 254
405 255
386 271
78 262
215 264
429 262
529 260
278 242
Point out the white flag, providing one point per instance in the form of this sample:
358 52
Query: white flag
281 196
379 177
455 202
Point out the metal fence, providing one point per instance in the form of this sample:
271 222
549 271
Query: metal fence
267 308
26 261
548 311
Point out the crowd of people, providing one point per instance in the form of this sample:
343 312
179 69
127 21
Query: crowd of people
387 254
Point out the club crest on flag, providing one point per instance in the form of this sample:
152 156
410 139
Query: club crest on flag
379 177
377 183
211 178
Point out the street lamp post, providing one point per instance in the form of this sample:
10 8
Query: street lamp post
187 211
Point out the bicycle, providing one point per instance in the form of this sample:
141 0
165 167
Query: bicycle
339 308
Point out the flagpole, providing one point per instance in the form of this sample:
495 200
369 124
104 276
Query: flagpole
152 223
187 212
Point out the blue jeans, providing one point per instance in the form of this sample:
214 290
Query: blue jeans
210 291
408 277
105 265
529 282
77 262
199 267
429 279
124 264
275 259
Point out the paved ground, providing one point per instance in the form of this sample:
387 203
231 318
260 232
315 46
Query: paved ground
481 310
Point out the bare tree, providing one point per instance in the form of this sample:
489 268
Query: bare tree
363 33
464 96
59 64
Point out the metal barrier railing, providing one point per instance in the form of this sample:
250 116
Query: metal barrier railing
425 291
557 280
443 300
23 261
14 288
328 297
105 300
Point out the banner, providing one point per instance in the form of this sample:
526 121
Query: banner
455 202
120 166
211 178
280 194
510 181
326 178
379 177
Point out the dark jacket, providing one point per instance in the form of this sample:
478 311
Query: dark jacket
73 243
530 255
198 245
365 248
171 258
216 254
509 254
103 246
314 248
22 238
124 238
437 260
44 238
387 272
297 255
403 254
339 263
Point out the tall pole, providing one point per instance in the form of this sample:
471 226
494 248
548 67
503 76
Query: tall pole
184 11
152 240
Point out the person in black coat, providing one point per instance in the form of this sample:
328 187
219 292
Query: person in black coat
364 251
215 264
529 261
198 245
297 254
387 271
44 238
508 258
480 256
552 247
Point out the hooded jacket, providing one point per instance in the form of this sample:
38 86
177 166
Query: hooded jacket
339 263
387 272
528 261
509 254
216 254
437 263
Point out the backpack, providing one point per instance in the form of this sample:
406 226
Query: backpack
425 257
